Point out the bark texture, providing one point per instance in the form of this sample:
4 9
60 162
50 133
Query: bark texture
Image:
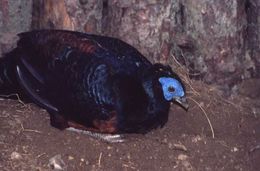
218 41
80 15
252 39
15 16
217 28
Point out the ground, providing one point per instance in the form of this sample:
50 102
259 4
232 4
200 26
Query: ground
28 142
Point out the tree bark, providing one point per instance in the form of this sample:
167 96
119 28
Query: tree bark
82 15
217 28
15 16
252 38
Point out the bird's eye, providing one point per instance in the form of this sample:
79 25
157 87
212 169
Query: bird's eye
171 89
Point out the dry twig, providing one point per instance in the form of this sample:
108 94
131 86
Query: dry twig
16 95
99 159
185 76
28 130
206 115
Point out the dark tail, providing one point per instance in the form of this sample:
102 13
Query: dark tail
8 81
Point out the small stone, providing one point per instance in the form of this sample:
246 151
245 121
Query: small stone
235 149
256 112
165 140
56 163
179 147
71 158
196 139
203 11
182 157
87 162
16 156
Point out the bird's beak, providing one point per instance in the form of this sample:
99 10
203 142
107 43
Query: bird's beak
183 102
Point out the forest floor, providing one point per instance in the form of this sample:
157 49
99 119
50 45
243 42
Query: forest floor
28 142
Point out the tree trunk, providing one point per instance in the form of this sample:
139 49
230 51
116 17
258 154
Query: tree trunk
252 38
15 16
79 15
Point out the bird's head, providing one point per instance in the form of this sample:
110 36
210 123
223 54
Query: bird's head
173 90
170 84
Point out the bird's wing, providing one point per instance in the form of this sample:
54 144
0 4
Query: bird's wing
98 84
42 59
61 63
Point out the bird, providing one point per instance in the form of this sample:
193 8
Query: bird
93 83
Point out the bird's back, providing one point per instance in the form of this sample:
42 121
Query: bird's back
54 43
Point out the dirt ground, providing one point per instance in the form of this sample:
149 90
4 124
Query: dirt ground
28 142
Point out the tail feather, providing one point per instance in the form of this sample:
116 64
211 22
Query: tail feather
8 81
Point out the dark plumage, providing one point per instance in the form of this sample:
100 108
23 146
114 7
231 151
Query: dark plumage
90 82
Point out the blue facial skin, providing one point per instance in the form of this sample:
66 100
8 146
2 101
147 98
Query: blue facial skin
167 82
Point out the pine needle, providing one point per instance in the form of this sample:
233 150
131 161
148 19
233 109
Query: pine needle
206 115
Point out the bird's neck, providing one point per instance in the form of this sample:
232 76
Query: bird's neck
156 102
